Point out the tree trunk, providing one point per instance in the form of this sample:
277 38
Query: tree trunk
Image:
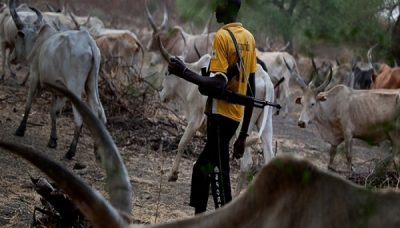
395 47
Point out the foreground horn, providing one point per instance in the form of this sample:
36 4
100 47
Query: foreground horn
90 203
17 20
118 184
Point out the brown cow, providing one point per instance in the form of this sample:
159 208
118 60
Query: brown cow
386 78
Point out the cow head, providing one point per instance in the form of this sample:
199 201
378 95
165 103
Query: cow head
312 96
159 32
27 34
364 73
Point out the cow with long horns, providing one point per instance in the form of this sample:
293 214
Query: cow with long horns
71 58
342 113
177 41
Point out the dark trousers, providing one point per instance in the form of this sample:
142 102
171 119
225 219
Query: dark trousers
212 166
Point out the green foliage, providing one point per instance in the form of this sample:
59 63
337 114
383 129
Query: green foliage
356 23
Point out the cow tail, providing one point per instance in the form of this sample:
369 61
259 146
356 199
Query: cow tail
93 79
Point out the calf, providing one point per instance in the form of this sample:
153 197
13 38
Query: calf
70 58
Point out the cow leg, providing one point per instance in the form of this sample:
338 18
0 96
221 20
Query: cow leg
31 93
78 128
56 105
348 152
25 79
332 154
266 137
3 61
190 130
12 73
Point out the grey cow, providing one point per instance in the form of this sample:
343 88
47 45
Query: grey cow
70 58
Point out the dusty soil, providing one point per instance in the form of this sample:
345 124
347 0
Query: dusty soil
138 138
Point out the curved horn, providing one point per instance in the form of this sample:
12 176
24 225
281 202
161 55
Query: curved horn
50 8
165 18
91 203
297 78
17 20
163 51
78 26
314 65
150 18
117 185
38 14
284 47
369 56
326 82
196 50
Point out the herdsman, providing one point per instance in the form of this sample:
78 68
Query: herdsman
230 77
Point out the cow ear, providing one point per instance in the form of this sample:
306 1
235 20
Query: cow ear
321 97
298 100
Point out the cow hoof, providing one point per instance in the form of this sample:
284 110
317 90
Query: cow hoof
52 143
69 155
20 132
173 177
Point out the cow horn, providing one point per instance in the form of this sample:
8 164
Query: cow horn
78 26
313 64
163 51
118 184
369 56
326 82
50 8
150 18
165 18
197 50
92 205
297 78
17 20
38 14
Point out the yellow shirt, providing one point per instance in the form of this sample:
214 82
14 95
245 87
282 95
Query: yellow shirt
224 55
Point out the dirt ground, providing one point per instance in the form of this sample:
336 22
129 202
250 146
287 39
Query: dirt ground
139 140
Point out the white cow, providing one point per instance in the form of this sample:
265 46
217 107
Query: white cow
342 113
193 106
277 69
286 193
70 58
178 42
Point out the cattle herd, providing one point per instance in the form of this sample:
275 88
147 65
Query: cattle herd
65 54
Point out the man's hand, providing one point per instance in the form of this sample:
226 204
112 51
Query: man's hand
238 147
176 66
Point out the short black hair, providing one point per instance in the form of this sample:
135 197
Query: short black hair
232 5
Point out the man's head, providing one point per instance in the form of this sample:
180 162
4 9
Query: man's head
227 10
